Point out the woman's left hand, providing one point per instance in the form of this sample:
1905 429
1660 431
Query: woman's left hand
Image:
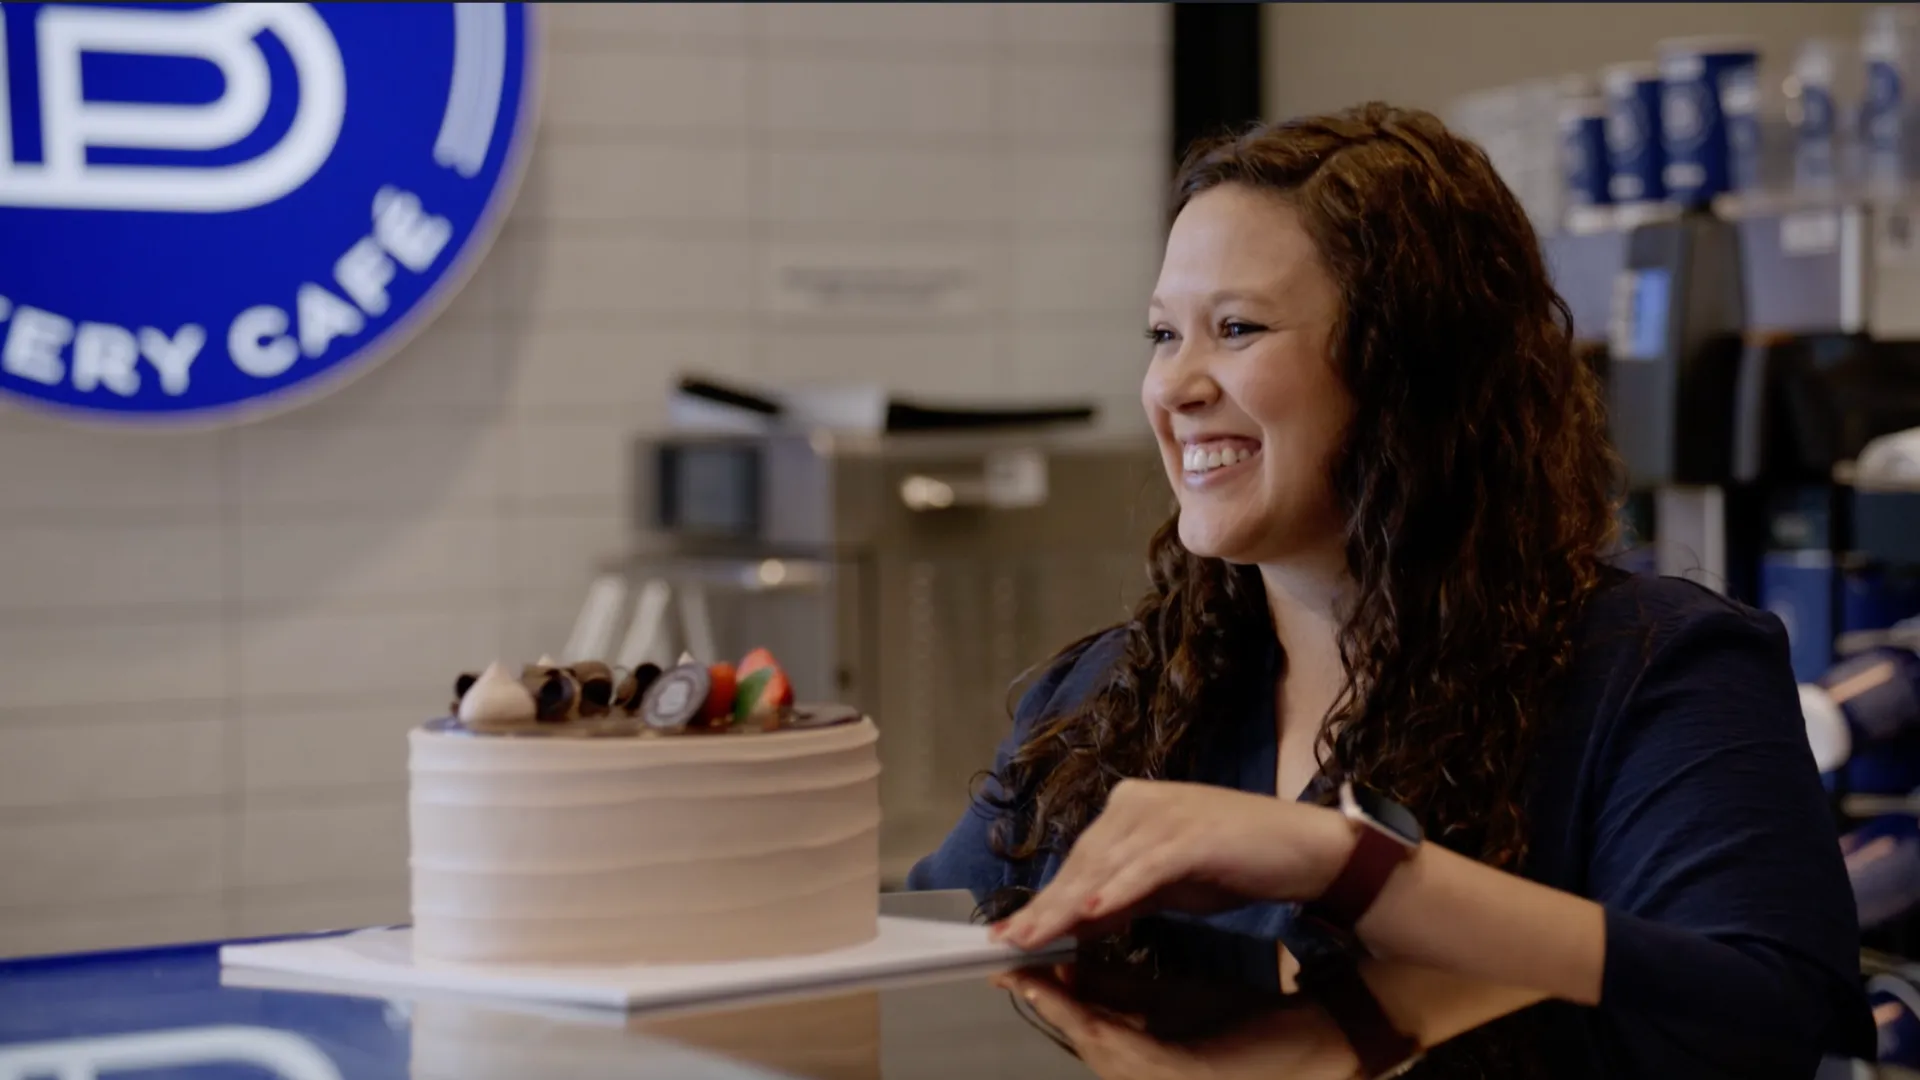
1192 847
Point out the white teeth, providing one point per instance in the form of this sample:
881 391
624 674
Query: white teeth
1198 459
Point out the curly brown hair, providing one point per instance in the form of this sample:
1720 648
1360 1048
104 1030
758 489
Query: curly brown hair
1477 483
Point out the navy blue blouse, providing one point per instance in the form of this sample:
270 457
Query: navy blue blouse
1675 786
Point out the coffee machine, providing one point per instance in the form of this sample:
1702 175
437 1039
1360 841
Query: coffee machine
1657 308
1828 364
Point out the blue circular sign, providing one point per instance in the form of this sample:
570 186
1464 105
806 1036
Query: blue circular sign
216 211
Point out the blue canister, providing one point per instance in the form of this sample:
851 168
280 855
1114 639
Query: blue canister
1709 87
1888 45
1896 1018
1815 118
1878 691
1883 863
1583 148
1797 586
1884 768
1875 597
1633 132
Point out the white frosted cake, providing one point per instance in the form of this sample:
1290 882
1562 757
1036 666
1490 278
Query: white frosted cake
548 827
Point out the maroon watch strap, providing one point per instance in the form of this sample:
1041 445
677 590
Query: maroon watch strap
1375 856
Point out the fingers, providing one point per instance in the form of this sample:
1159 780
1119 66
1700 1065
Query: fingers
1116 864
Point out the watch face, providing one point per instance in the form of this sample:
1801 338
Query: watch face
1389 816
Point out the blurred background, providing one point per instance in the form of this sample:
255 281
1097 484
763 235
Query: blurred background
755 359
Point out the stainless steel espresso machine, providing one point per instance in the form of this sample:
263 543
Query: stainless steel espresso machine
916 576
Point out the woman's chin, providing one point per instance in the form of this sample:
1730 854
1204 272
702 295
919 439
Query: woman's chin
1212 543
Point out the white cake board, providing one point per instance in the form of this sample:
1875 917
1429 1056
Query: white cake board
385 958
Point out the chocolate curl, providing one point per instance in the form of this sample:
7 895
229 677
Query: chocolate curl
596 687
460 687
631 687
556 695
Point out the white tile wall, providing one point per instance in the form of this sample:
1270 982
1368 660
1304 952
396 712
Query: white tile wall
53 864
298 842
947 25
212 645
304 749
93 764
103 565
102 662
880 96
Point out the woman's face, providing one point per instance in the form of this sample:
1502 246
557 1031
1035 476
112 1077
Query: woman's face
1242 390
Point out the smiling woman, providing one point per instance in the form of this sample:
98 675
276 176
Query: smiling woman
1384 598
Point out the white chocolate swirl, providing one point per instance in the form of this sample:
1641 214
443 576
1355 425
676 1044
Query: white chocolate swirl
496 700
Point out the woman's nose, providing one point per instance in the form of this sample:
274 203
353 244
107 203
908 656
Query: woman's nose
1180 382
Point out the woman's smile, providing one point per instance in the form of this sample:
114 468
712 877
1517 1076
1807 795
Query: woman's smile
1212 461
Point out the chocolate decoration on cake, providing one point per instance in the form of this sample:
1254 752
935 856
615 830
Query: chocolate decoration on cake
496 702
632 686
460 687
677 698
556 694
596 688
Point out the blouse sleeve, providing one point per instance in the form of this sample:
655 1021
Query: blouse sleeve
966 860
1732 942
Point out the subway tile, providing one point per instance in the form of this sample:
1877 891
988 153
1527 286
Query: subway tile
1072 25
848 280
407 657
577 181
445 372
73 862
559 370
476 303
113 663
655 25
1100 357
1080 275
884 185
923 97
303 843
895 24
956 363
586 461
124 925
309 909
1120 189
561 275
44 765
558 553
315 748
1045 99
52 467
110 565
612 90
540 619
412 553
439 462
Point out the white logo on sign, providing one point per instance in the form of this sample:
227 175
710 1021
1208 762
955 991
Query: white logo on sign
1625 132
222 35
1682 113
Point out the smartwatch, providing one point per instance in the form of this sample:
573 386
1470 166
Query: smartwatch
1386 834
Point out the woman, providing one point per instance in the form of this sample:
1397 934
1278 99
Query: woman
1387 576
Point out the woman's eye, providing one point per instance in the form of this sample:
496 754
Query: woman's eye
1159 335
1233 329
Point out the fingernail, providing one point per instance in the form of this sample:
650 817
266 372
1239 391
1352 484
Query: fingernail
1092 905
1030 994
